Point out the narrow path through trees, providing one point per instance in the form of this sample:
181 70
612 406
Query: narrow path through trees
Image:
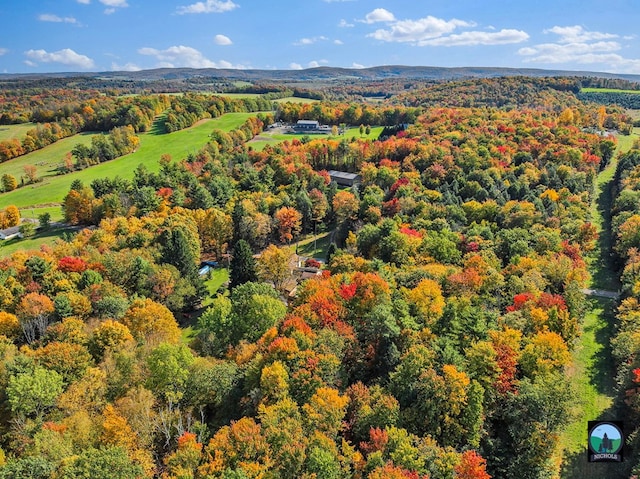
593 372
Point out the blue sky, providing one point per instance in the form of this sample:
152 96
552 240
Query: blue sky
105 35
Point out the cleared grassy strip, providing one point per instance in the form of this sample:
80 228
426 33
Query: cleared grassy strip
593 372
46 160
608 90
7 132
152 146
267 138
593 388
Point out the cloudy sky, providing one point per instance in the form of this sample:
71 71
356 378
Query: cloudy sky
105 35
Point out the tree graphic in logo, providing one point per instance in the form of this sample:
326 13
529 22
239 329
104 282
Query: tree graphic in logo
605 441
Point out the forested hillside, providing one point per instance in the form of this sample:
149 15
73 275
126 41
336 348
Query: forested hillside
433 342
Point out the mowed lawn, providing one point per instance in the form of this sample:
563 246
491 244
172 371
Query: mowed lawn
265 138
153 145
607 90
8 132
46 160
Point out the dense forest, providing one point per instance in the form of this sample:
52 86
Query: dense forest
432 340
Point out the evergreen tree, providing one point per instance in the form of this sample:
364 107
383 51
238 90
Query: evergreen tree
243 266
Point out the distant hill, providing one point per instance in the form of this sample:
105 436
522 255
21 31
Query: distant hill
326 74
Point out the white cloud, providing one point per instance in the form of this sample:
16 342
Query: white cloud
503 37
310 41
379 15
182 56
295 66
208 6
578 46
65 56
84 2
3 51
338 42
30 63
50 17
357 65
109 11
222 40
338 1
344 24
416 31
127 67
115 3
179 56
433 31
577 34
317 63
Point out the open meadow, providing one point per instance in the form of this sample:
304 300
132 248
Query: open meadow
270 138
153 145
9 132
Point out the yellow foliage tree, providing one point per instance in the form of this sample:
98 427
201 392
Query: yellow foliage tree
274 265
428 300
325 410
151 322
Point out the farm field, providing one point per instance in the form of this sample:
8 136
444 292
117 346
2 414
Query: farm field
47 159
607 90
295 99
8 132
267 138
153 145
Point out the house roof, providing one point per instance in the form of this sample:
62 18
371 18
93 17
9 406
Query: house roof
343 174
10 231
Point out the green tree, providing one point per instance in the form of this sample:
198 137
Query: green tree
27 230
252 309
104 463
33 392
243 265
9 182
168 371
27 468
45 221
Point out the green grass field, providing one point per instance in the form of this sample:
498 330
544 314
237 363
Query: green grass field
608 90
315 247
8 132
593 372
267 138
9 247
153 145
295 99
34 213
47 159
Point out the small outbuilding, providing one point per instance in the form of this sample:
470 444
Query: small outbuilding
343 178
306 125
10 233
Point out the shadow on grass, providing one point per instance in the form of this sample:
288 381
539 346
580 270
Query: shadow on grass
157 128
603 369
601 375
577 466
603 263
316 249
